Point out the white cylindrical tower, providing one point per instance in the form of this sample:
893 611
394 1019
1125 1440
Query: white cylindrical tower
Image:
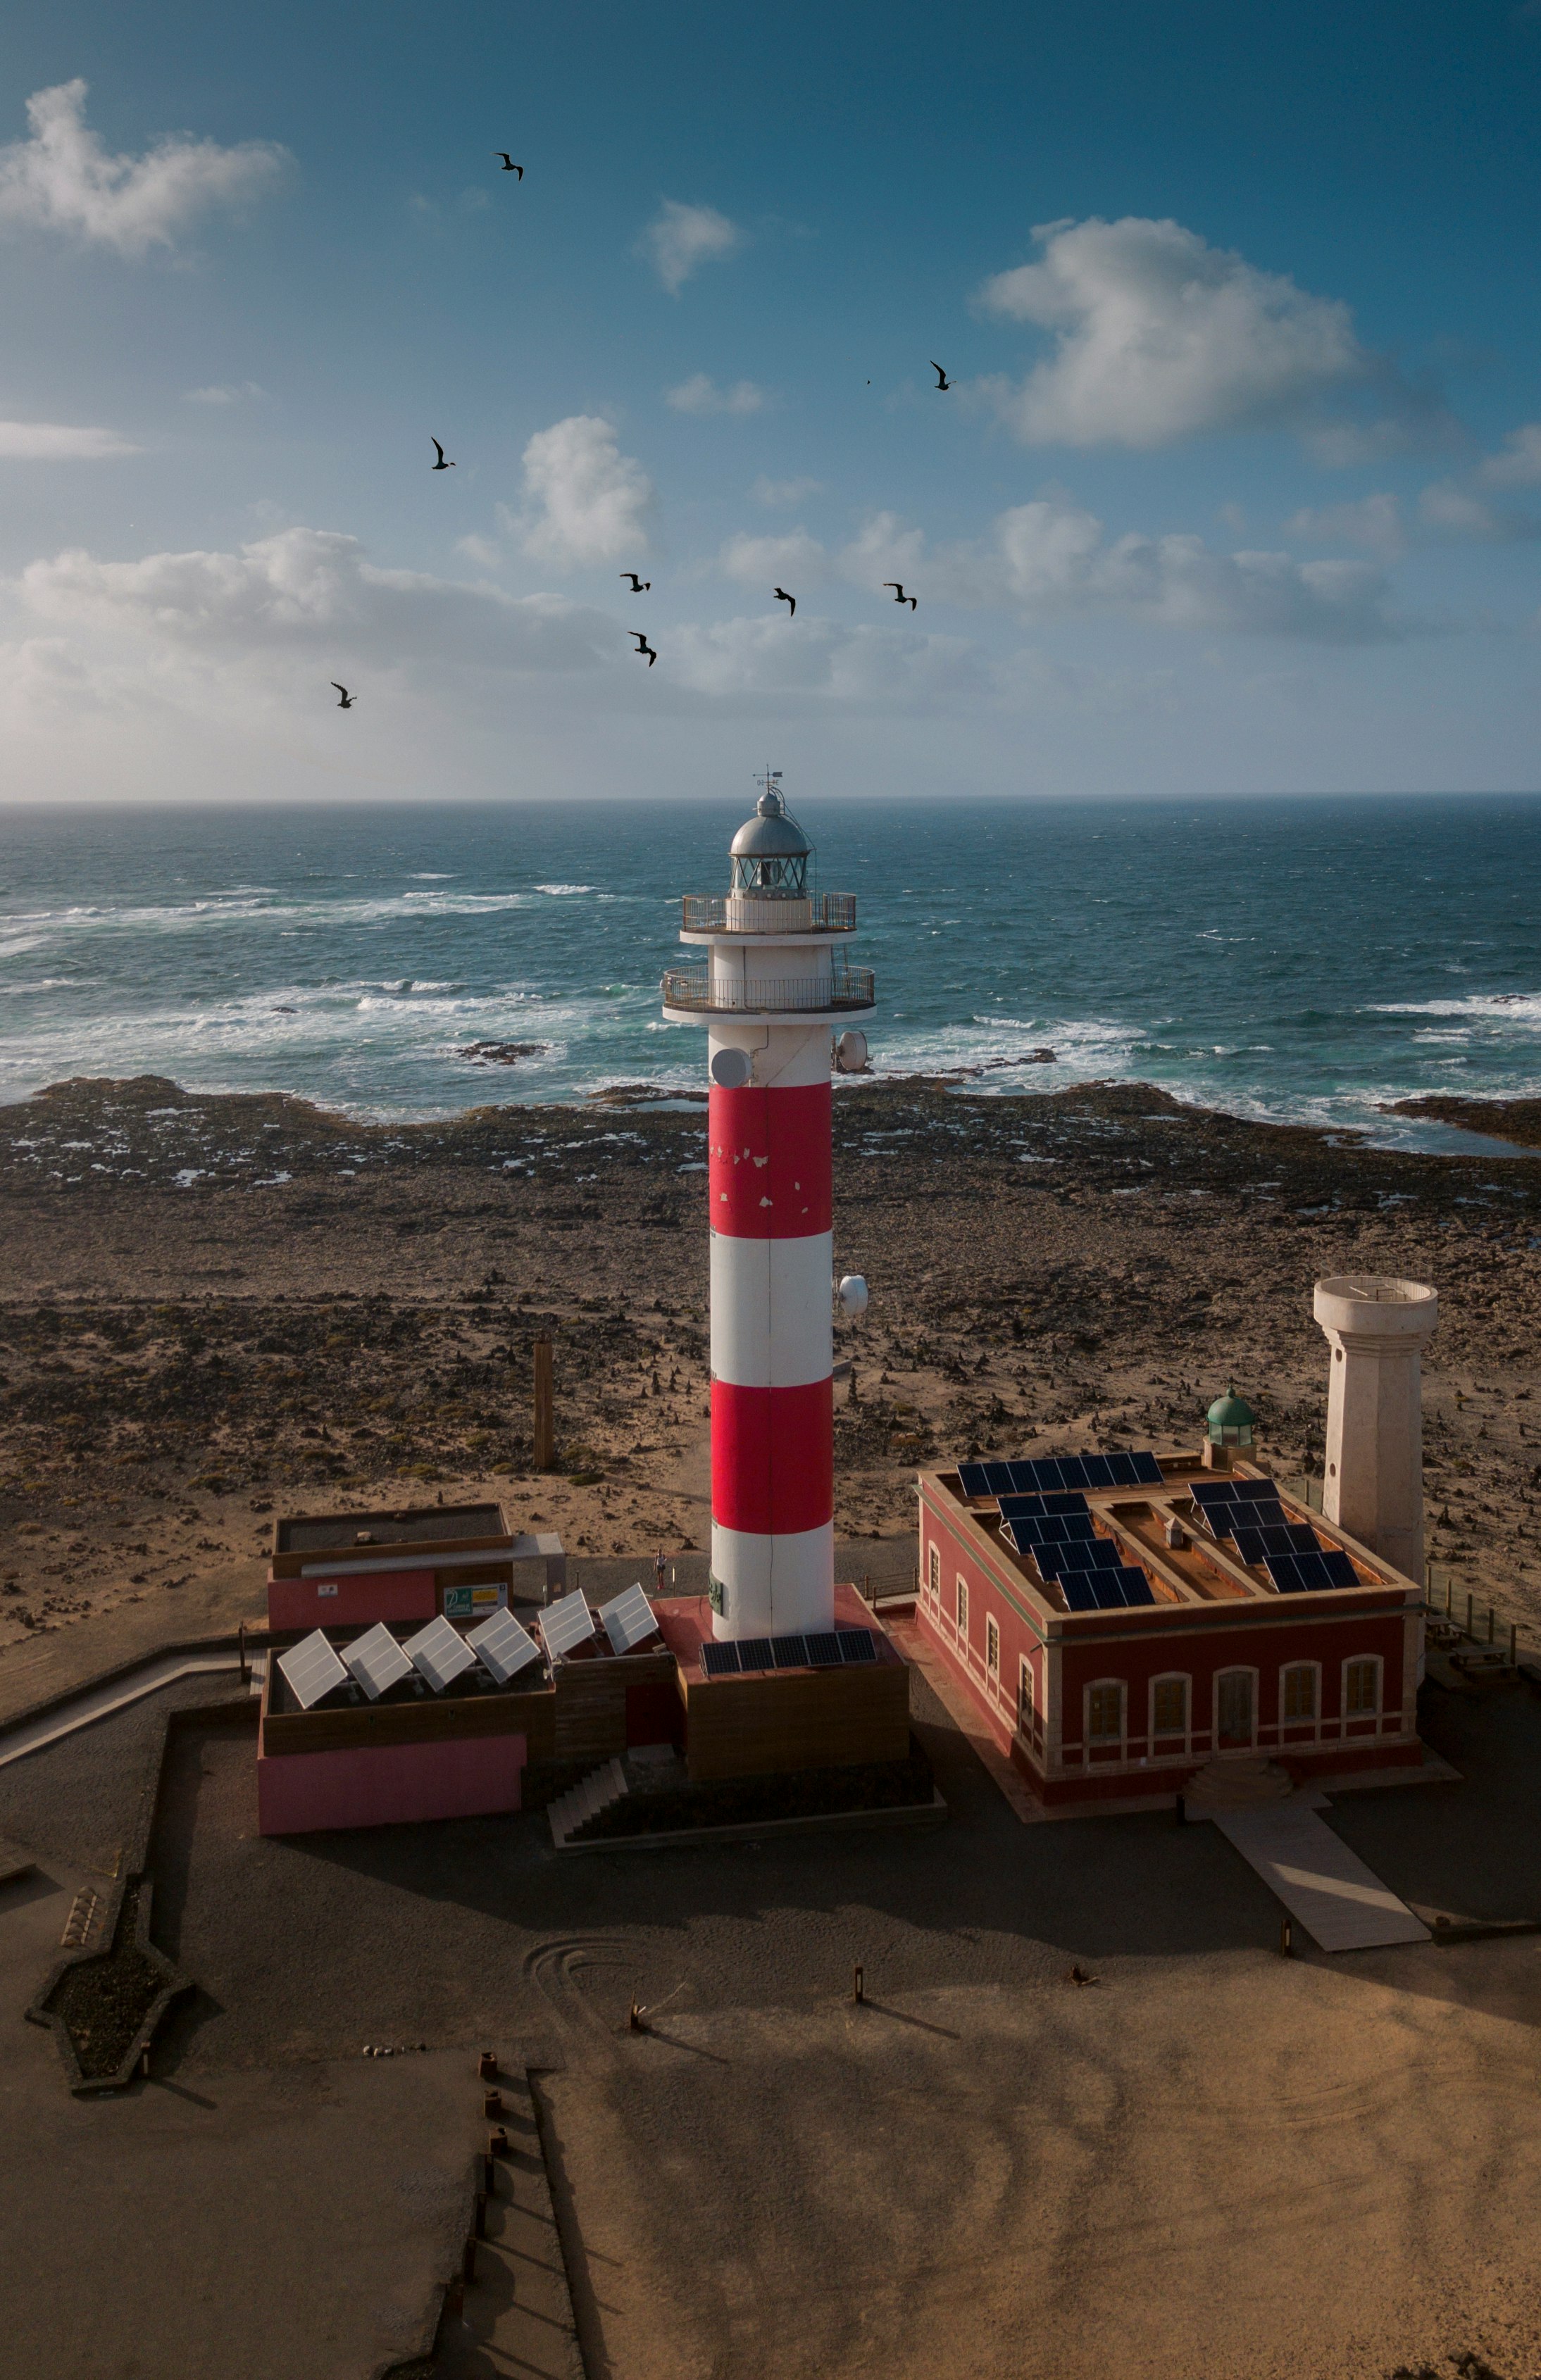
771 991
1373 1488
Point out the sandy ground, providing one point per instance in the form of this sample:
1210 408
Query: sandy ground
217 1308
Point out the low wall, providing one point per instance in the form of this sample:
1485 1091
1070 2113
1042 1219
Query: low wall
472 1777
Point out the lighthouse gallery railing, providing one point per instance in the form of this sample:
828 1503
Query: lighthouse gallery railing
846 987
704 913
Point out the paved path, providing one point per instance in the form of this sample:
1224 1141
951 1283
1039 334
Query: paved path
100 1702
1342 1904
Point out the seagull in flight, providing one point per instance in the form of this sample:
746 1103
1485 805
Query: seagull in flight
899 594
346 702
942 381
790 600
441 465
638 586
508 164
643 646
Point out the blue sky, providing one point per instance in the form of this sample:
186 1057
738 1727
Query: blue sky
1238 488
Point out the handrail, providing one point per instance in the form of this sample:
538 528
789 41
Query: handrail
831 913
843 987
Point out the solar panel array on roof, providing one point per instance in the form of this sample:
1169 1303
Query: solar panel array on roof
502 1646
566 1624
1053 1529
629 1620
1255 1544
376 1661
1298 1573
1048 1474
1081 1553
1039 1508
439 1653
1106 1590
311 1669
824 1649
1233 1491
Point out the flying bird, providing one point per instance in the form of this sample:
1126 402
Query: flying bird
441 465
346 702
643 646
899 594
942 381
638 586
790 600
508 164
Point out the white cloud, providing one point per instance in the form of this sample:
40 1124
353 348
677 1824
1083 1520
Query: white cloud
882 549
1519 466
1450 510
701 394
779 494
776 657
223 393
1051 558
680 239
585 500
1160 337
313 590
1373 522
772 560
63 179
479 550
57 442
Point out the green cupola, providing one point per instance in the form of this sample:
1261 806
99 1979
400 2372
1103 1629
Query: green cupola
1230 1420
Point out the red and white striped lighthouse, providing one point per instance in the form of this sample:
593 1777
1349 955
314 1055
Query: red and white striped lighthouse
771 991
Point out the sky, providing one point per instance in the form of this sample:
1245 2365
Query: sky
1235 488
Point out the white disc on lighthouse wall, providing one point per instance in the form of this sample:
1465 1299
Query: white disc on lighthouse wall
852 1294
731 1069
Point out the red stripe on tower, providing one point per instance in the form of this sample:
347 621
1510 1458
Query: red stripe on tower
770 1172
772 1457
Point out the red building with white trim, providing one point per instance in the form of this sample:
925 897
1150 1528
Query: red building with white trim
1223 1655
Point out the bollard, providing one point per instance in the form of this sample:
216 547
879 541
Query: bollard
1182 1806
1489 1624
467 2260
637 2023
497 2142
856 1991
1286 1939
1513 1646
487 2065
489 2176
492 2104
480 2217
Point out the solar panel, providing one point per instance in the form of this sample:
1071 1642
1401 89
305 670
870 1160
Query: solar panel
998 1479
376 1661
1108 1588
1023 1482
1136 1586
1206 1492
1099 1469
566 1624
1284 1570
1254 1544
720 1661
1125 1473
790 1652
1256 1491
502 1646
1081 1554
1079 1592
754 1653
1227 1519
311 1669
823 1649
439 1653
857 1645
1148 1471
1302 1539
1072 1472
971 1479
1340 1568
1037 1507
628 1619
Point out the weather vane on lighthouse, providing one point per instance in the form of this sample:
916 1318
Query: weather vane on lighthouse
776 989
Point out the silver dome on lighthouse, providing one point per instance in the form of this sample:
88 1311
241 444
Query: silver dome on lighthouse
771 852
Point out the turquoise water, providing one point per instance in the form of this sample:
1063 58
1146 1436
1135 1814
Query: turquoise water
1289 959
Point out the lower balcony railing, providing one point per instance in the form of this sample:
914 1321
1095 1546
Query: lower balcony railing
831 913
846 988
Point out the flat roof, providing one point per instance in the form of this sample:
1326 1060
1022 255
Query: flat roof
1204 1569
325 1533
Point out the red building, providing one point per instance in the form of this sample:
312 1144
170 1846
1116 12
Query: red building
1121 1620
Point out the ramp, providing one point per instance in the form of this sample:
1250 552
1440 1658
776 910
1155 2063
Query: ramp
1341 1903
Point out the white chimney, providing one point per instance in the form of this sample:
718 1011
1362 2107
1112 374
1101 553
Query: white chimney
1373 1488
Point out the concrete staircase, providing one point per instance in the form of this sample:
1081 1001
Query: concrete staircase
1249 1783
571 1812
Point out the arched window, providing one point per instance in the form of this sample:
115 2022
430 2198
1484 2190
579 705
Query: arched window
1168 1708
1105 1712
933 1574
963 1604
1297 1697
993 1648
1361 1688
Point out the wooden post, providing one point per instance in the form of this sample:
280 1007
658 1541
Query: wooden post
545 1417
1514 1645
1489 1624
1470 1624
858 1992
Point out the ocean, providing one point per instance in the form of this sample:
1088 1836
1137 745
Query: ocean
1300 960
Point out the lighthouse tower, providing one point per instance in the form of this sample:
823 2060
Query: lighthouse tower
774 994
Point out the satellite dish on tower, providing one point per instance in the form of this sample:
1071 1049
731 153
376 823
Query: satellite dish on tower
851 1052
731 1069
852 1294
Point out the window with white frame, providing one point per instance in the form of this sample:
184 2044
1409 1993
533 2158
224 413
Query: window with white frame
1169 1706
1361 1688
1024 1691
933 1574
963 1604
993 1648
1104 1713
1298 1697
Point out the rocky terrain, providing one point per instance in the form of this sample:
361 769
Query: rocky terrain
215 1308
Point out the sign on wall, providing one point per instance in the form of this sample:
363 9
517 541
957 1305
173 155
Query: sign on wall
474 1602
